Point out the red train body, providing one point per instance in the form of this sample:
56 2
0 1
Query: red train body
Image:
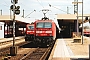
45 31
29 32
86 32
86 28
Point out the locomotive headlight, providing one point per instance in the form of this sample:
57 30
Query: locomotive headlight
50 34
36 34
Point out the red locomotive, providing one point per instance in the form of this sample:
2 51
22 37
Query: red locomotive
29 32
45 31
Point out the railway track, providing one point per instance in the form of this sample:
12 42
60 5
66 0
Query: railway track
5 53
38 54
25 52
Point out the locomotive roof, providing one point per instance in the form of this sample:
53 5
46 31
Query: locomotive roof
44 21
30 24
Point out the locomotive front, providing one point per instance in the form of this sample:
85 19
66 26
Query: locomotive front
45 32
29 32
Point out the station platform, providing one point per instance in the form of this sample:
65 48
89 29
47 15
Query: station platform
9 39
4 44
62 51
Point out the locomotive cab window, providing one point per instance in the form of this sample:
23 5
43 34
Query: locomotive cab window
48 25
39 25
44 25
30 27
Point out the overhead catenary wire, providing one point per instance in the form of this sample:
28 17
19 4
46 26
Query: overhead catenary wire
5 4
40 4
30 13
58 8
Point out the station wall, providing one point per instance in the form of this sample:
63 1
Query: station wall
1 29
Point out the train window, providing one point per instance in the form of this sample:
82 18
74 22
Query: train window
30 27
44 25
48 25
40 25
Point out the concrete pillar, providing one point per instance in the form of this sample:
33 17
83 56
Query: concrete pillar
75 25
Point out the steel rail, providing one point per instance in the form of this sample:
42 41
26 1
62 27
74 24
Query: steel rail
44 56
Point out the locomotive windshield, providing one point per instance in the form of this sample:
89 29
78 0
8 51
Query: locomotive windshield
48 25
44 25
31 27
39 25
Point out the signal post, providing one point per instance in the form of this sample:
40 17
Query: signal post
13 49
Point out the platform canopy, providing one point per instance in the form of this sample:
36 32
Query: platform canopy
4 18
72 17
25 20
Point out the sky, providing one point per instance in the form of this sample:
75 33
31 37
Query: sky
57 7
